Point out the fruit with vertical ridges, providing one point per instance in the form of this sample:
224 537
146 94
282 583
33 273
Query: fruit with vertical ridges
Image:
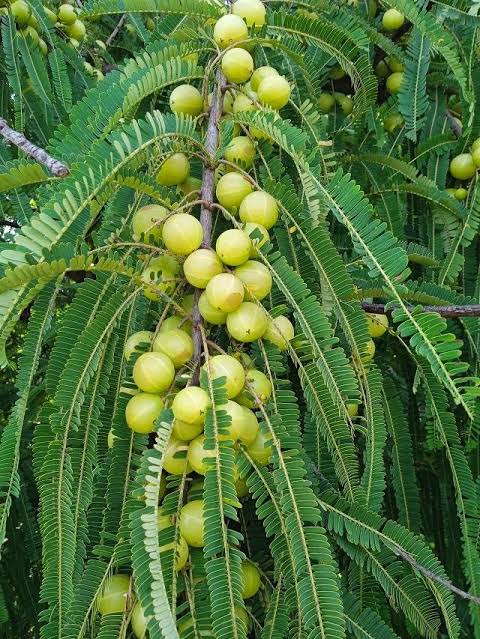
21 11
147 221
197 453
114 595
252 11
377 324
232 189
225 292
237 65
260 208
142 411
274 91
182 233
243 103
233 247
394 82
229 367
280 331
260 74
176 345
260 450
200 266
240 149
142 338
191 523
186 432
462 167
248 323
229 29
186 99
175 458
67 14
257 385
256 278
251 579
174 170
153 372
190 405
392 20
209 313
244 424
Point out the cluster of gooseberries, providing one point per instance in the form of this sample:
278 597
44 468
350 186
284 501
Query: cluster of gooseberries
65 18
464 166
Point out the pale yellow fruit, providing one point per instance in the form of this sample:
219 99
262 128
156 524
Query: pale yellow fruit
225 292
237 65
259 236
248 323
182 233
233 247
377 324
200 266
274 91
186 99
143 338
209 313
174 170
148 222
229 29
280 331
241 149
231 190
260 450
260 74
228 367
176 345
190 405
252 11
256 278
175 457
260 208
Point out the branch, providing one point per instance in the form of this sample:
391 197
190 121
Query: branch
208 187
468 310
40 155
115 32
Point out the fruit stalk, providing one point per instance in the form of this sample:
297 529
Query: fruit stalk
40 155
207 193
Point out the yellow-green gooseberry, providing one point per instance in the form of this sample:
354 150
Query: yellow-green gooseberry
259 236
190 405
252 11
260 208
192 523
369 352
200 266
180 546
237 65
260 450
280 331
244 424
232 188
260 74
233 247
182 233
114 594
251 579
209 313
274 91
197 453
240 149
176 321
67 14
77 30
326 102
394 82
225 292
352 410
139 621
228 367
175 457
148 221
248 323
176 344
186 432
141 338
377 324
153 372
462 167
174 170
243 103
256 278
392 20
191 186
229 29
142 411
257 385
186 99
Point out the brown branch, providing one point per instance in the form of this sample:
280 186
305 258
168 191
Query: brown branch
466 310
116 31
40 155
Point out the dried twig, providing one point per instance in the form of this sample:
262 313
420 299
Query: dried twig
466 310
116 31
40 155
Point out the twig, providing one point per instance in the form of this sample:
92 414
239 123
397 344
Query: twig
467 310
454 125
18 139
115 32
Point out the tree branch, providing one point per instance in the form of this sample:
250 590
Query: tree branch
115 32
467 310
40 155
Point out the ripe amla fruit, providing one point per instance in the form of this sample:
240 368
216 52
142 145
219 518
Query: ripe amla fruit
229 29
233 247
139 621
377 324
153 372
174 170
369 352
257 385
392 20
142 411
260 74
67 14
251 579
192 522
148 221
462 167
256 279
394 82
232 188
186 432
180 547
326 102
258 235
229 367
77 30
197 453
280 331
182 233
209 313
159 276
176 321
244 103
244 424
248 323
200 266
175 457
237 65
21 11
225 292
260 450
240 149
142 338
252 11
113 597
274 91
190 405
175 344
186 99
260 208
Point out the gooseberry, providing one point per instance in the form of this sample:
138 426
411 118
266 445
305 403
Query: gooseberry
21 11
325 102
244 424
258 385
191 523
232 188
142 411
30 31
113 596
197 453
142 337
50 15
256 278
43 46
248 323
153 372
233 247
392 122
139 621
394 82
186 432
176 321
392 20
382 70
174 170
395 64
252 11
369 352
190 186
274 91
176 344
180 547
352 410
280 331
77 30
345 102
461 194
175 457
337 73
229 29
240 149
225 292
260 450
182 233
237 65
209 313
148 221
462 167
259 236
476 144
260 74
110 438
251 579
259 207
377 324
200 266
241 488
229 367
67 14
476 157
190 405
186 99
